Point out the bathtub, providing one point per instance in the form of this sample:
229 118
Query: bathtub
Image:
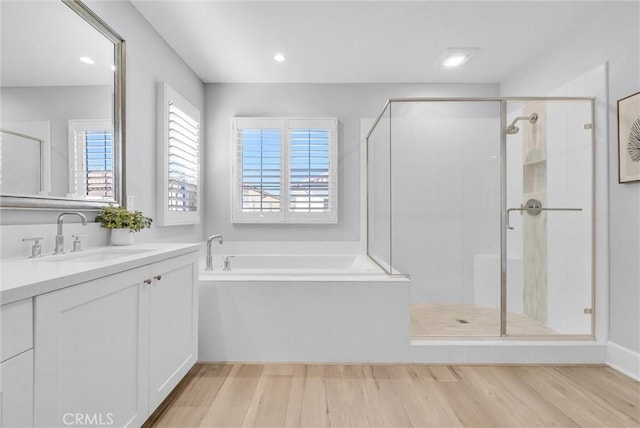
302 308
254 266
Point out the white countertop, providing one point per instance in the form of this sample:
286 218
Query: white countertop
23 278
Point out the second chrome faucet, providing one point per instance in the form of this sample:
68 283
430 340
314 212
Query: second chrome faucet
59 248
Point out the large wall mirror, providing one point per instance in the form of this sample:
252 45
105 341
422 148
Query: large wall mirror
62 107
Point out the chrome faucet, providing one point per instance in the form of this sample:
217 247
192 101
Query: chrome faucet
59 248
209 241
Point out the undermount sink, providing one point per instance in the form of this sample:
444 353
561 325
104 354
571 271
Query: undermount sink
96 256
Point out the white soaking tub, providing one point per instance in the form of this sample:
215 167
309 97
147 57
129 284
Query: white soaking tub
303 308
294 265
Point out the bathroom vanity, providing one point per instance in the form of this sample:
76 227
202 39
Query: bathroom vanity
91 338
97 337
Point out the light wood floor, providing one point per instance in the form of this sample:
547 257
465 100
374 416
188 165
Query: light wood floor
227 395
447 320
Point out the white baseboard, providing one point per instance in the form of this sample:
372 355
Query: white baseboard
623 360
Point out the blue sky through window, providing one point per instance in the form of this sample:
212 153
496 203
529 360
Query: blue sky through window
99 150
99 162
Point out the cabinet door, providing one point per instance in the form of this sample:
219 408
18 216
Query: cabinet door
17 391
173 346
16 327
90 352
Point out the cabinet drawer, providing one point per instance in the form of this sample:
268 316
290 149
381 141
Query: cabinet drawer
17 328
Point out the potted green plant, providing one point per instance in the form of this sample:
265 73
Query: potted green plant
122 223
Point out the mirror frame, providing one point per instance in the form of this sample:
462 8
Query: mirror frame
119 122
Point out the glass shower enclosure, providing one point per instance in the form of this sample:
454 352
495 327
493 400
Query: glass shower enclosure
487 204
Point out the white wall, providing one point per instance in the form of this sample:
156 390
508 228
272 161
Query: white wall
149 60
612 38
348 102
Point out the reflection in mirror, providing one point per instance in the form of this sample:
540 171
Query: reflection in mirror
90 159
28 175
59 72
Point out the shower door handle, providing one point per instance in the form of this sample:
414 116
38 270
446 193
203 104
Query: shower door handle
509 215
534 207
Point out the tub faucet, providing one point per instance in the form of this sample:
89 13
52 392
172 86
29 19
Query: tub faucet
59 248
209 258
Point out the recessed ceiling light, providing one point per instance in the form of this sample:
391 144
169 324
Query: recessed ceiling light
455 60
455 57
87 60
279 58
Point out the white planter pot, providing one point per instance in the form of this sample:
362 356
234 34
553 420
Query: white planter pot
121 237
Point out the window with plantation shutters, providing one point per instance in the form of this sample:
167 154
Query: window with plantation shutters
179 178
260 153
91 158
284 170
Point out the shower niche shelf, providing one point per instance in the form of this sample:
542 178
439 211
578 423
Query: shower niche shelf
535 177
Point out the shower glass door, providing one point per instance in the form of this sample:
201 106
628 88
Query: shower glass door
549 217
445 213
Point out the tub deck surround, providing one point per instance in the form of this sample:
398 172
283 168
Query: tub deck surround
321 267
304 321
23 278
303 308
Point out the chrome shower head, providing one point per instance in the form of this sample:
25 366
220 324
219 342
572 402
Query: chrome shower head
513 129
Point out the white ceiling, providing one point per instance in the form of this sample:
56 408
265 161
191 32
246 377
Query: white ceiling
361 41
41 44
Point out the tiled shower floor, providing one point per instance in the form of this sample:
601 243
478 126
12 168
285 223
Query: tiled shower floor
465 320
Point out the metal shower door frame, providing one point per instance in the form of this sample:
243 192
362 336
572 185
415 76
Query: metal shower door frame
503 101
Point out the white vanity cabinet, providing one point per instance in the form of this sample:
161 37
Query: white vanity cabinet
90 352
16 368
109 350
173 323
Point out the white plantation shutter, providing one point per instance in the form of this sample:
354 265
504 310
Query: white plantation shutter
284 170
259 150
91 158
179 156
257 170
312 173
183 160
99 161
